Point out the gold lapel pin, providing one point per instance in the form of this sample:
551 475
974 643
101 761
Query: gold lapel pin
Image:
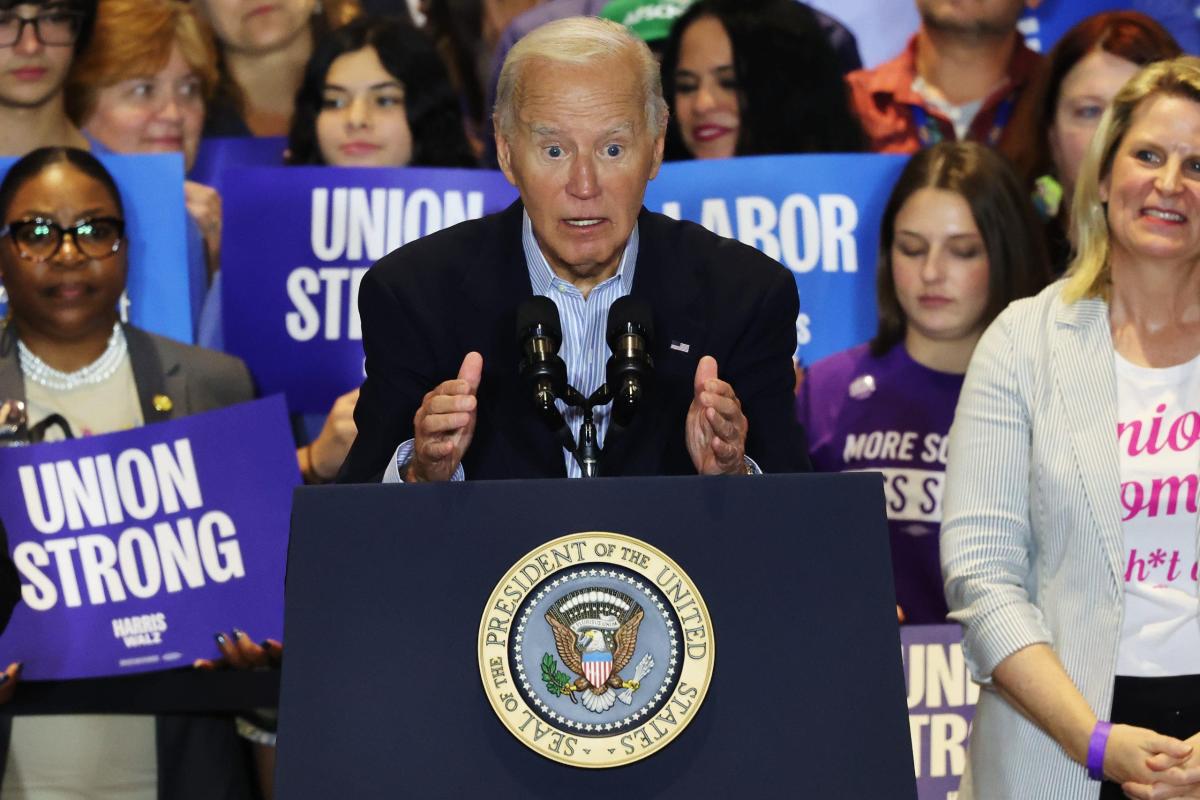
162 403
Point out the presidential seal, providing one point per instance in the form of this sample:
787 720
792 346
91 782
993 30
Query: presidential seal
595 650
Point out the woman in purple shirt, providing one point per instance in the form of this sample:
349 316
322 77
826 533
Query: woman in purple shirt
959 241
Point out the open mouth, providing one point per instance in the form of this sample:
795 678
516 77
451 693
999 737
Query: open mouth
583 223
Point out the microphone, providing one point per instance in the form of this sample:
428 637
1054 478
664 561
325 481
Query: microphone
630 335
15 430
539 335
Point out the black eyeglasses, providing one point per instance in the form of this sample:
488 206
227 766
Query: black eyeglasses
53 27
38 239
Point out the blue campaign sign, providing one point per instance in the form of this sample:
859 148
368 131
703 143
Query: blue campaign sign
816 214
1180 17
297 243
155 219
1045 24
135 547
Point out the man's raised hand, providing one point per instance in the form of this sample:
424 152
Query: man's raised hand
444 425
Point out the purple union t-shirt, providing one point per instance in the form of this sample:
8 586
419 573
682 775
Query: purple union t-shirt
892 415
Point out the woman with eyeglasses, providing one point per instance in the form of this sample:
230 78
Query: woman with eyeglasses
38 41
64 350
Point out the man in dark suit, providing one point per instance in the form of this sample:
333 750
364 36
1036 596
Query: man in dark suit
580 122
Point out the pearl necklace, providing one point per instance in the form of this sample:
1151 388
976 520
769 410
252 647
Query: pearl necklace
100 370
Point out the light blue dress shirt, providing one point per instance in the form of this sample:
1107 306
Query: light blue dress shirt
583 348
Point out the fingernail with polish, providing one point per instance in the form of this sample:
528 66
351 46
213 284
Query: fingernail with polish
221 640
238 633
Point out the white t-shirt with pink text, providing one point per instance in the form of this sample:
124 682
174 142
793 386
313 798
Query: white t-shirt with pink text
1159 443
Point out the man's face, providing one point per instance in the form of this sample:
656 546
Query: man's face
580 153
971 17
32 73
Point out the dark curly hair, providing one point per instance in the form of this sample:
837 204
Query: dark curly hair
793 98
408 56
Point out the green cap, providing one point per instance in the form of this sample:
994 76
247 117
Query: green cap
650 20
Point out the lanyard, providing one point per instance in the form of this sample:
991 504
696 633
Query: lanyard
929 128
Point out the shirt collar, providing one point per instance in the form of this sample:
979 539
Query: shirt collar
543 278
895 77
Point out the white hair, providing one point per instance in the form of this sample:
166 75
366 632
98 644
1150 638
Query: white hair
579 41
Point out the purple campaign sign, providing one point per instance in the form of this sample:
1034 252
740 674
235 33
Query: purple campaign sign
941 705
297 243
134 548
220 160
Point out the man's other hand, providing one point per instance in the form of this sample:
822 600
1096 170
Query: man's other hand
716 427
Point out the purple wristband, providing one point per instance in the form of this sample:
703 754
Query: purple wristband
1099 741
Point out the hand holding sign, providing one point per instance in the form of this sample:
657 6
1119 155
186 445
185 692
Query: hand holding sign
204 206
716 427
329 449
239 651
8 681
444 424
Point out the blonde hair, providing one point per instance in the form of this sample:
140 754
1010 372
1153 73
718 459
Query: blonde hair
133 38
579 41
1090 272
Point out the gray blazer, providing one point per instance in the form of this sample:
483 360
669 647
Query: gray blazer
1031 537
194 379
200 757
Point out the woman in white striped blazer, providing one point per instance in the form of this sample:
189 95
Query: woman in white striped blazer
1069 536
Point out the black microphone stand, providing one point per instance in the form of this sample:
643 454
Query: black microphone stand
539 335
587 452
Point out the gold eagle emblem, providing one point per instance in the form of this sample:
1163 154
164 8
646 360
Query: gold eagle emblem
595 633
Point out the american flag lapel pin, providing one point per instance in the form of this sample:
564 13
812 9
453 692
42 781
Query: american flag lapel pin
682 347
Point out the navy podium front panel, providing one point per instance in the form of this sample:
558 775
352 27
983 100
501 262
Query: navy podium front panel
386 586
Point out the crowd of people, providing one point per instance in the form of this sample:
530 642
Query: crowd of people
1038 294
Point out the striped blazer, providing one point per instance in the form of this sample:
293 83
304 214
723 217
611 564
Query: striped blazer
1032 546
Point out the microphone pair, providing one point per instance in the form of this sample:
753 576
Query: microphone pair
629 333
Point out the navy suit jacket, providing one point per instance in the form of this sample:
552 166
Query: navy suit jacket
429 303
